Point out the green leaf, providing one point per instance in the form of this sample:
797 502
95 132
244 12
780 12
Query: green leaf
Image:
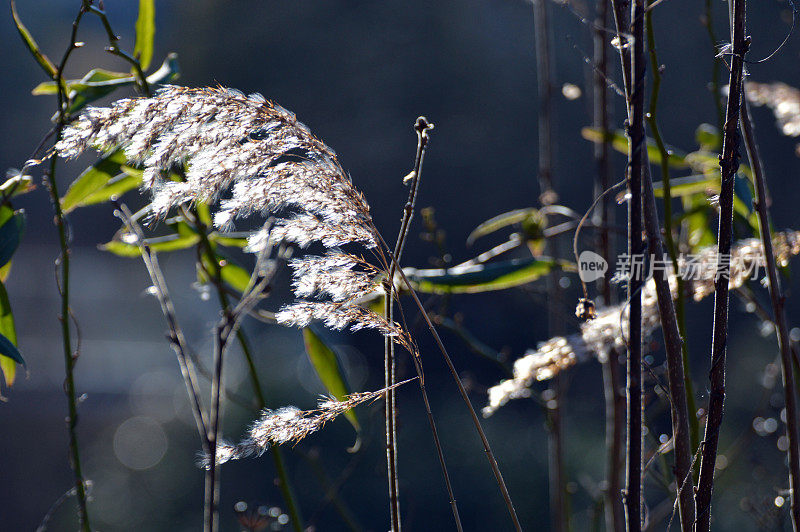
703 161
92 180
708 137
8 367
228 241
145 33
164 243
482 277
116 187
33 48
500 221
16 184
677 159
8 358
99 82
327 366
234 275
13 223
685 186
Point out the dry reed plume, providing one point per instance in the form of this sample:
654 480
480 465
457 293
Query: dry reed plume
290 424
609 330
252 156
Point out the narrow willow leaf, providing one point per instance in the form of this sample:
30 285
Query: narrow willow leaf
98 83
686 186
677 159
164 243
30 43
236 276
329 370
9 350
8 367
483 277
708 137
145 33
10 233
8 364
500 221
115 188
232 274
15 184
228 241
92 180
5 271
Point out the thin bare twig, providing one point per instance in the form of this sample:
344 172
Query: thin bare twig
729 163
461 389
422 127
614 399
778 308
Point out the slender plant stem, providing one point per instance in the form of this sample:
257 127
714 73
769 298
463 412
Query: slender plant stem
176 336
672 249
221 332
277 456
675 369
614 399
559 516
671 313
729 163
70 357
778 308
716 93
422 127
633 70
462 391
637 161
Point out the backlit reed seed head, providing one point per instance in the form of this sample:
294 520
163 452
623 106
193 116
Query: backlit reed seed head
257 158
609 330
289 425
226 140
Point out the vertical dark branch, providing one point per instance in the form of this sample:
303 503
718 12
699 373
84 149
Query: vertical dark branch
421 127
547 196
671 318
614 400
729 163
675 371
221 334
777 299
544 86
206 249
70 357
708 22
464 396
636 169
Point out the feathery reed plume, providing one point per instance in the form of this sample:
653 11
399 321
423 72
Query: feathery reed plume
253 156
271 164
599 336
290 424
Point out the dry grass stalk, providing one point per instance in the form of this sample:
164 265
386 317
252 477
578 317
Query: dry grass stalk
290 425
